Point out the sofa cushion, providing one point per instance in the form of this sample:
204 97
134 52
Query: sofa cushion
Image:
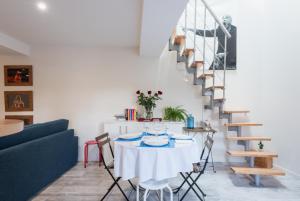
33 132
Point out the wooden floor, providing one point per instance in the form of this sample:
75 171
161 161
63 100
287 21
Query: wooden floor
80 184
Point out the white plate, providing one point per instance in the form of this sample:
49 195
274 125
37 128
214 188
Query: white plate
156 141
130 136
155 132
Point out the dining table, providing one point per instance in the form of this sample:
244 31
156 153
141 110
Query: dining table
135 159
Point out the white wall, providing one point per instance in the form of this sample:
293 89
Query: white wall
267 79
281 93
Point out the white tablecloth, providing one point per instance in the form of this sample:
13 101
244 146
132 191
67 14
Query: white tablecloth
148 163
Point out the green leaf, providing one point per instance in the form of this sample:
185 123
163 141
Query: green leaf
174 114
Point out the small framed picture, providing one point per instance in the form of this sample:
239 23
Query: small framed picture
18 101
28 119
18 75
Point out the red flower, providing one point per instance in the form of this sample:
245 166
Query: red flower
149 92
160 92
138 92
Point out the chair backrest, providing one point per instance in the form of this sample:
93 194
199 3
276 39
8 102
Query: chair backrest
206 151
103 140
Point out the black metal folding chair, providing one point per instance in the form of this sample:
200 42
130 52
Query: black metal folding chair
105 140
198 169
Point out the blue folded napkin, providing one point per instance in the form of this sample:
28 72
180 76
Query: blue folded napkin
139 138
130 140
174 138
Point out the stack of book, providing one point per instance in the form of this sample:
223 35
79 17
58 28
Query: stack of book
130 114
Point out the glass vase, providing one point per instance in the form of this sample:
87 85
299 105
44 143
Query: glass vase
149 113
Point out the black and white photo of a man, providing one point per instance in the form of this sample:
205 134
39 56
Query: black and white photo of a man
231 44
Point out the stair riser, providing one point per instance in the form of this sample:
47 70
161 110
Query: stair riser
207 93
218 103
237 129
190 70
181 58
172 47
198 81
225 116
208 107
214 103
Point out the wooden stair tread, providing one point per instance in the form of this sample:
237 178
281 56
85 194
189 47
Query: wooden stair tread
258 171
219 99
188 52
196 64
252 154
249 138
179 39
215 87
235 111
206 75
242 124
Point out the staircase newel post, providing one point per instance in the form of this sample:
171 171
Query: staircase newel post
214 49
185 26
225 66
195 29
204 41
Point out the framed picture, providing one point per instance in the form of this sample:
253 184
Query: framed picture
18 75
28 119
18 101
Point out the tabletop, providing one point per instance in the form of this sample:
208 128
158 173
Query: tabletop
199 130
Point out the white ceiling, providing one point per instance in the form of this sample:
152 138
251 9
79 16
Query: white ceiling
7 51
158 24
73 22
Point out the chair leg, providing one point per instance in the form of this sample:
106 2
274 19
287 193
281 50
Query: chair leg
184 181
111 187
203 194
121 189
161 194
85 155
145 194
132 185
100 158
137 193
171 193
192 187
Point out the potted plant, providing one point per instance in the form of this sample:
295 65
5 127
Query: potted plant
175 114
260 146
148 101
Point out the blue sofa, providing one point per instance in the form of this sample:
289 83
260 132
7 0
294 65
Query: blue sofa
35 157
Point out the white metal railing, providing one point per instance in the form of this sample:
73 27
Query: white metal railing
193 15
227 34
206 46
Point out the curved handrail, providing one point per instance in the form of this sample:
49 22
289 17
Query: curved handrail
217 19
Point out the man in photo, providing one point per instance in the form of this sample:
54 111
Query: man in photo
231 44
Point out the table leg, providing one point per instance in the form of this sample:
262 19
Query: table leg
212 162
211 154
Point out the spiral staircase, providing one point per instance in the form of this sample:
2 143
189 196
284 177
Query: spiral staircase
198 57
